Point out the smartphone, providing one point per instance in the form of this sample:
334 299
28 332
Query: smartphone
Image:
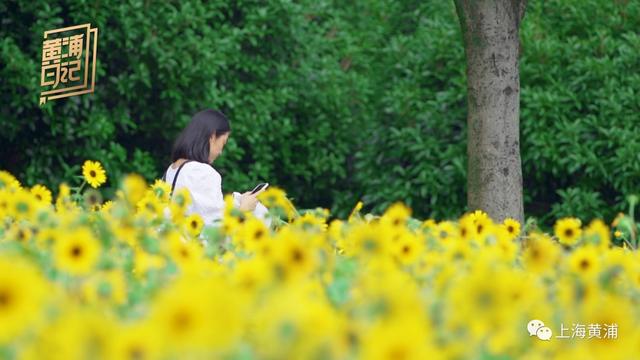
259 187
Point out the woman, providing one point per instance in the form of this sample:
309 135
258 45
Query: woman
199 144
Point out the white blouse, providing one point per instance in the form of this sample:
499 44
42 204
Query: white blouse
205 185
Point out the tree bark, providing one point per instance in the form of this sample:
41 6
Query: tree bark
490 30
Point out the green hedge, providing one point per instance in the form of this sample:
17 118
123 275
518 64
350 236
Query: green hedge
333 101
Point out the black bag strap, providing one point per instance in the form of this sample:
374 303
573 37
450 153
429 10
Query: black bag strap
173 185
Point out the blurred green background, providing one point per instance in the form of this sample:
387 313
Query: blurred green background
334 101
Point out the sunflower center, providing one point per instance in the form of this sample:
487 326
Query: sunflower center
398 353
92 173
194 224
370 245
22 207
181 321
135 353
510 229
5 299
480 228
258 234
568 232
516 295
535 253
297 255
485 299
76 251
406 249
584 264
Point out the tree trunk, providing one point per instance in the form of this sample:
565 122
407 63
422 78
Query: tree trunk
490 29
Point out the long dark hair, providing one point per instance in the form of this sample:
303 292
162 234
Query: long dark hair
193 141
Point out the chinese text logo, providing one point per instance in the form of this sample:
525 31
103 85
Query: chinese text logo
578 331
68 62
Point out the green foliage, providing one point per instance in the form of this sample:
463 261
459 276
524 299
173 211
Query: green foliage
332 101
579 107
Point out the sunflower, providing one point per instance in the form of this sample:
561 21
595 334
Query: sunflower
276 200
42 194
310 222
467 228
63 200
367 240
22 205
77 252
46 237
429 225
505 244
396 215
585 261
598 232
93 173
181 198
107 206
4 202
8 181
251 274
479 215
457 251
92 199
541 253
399 338
479 299
193 223
253 235
22 292
512 226
568 230
233 217
186 254
483 226
446 230
136 341
612 312
213 322
72 332
408 248
150 207
133 188
162 190
19 233
293 258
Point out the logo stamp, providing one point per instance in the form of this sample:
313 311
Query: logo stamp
68 62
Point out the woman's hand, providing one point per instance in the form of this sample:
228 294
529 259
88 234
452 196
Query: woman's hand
248 201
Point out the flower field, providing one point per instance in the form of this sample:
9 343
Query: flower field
135 278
